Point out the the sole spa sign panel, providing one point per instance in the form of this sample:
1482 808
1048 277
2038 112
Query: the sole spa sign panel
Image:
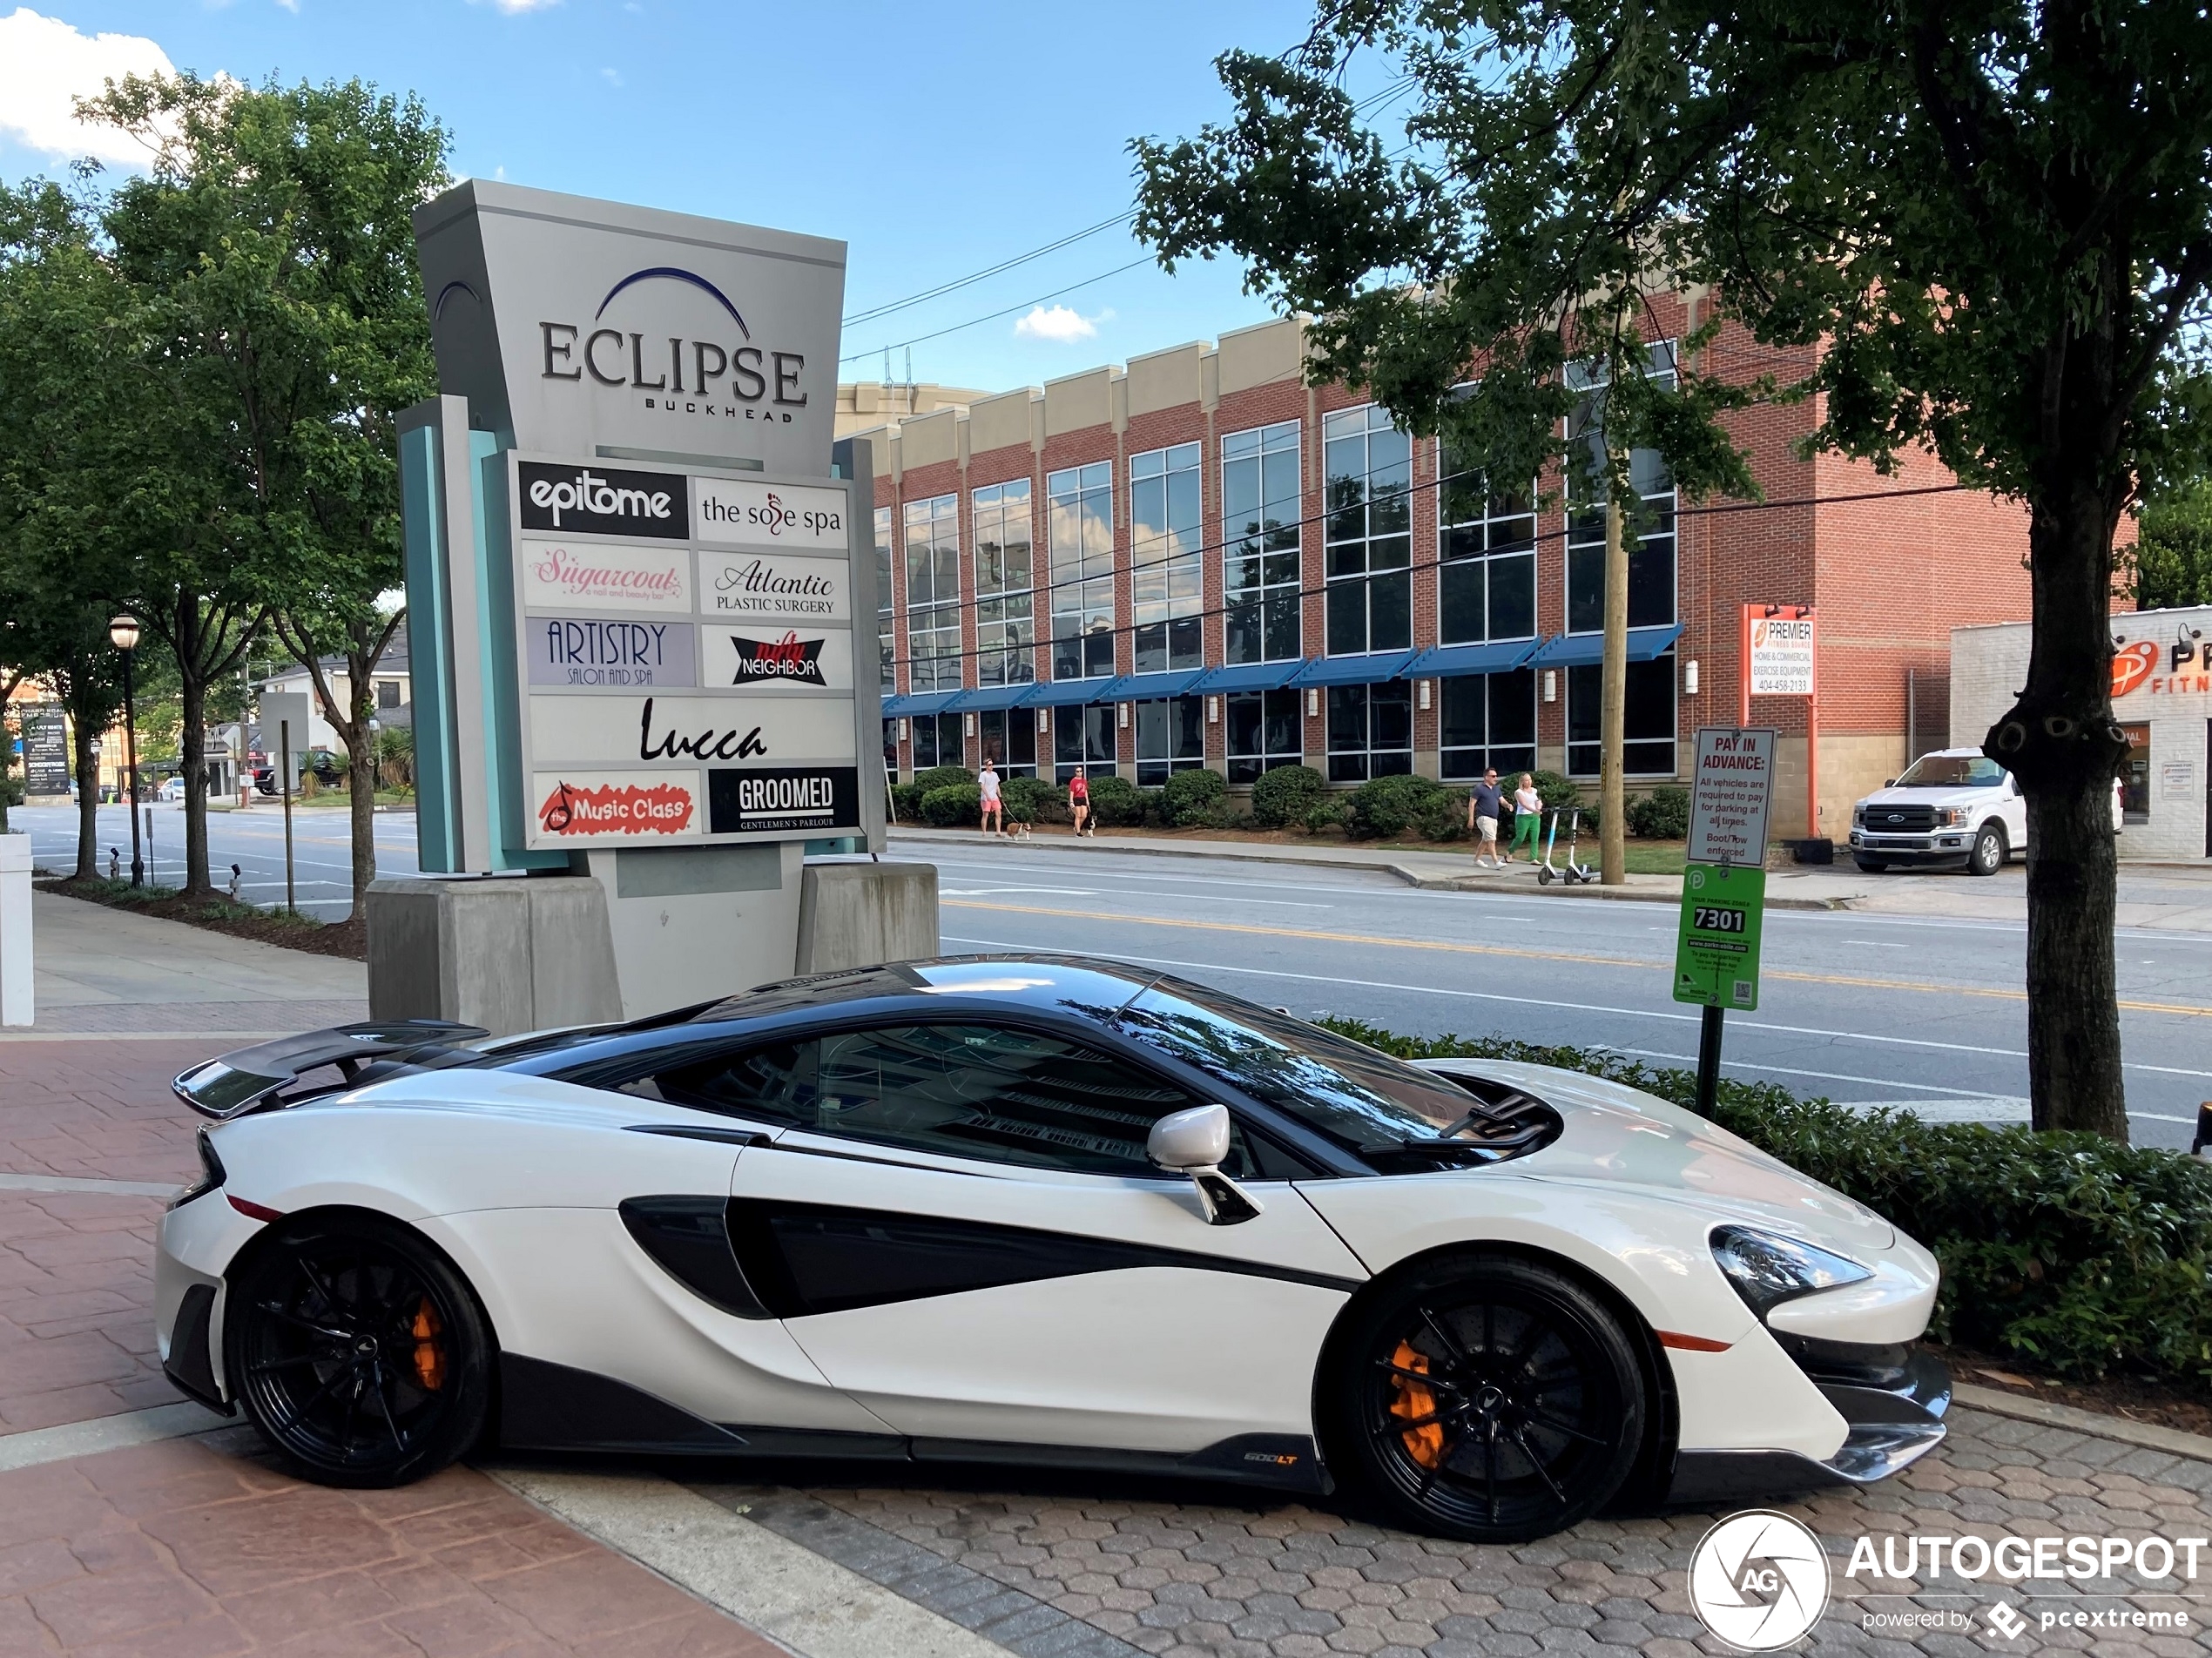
685 652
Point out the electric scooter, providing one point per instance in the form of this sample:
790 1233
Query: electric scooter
1574 872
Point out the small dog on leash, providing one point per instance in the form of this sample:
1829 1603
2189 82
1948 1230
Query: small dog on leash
1017 830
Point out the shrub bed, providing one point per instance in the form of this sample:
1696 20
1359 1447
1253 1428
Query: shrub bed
1116 802
1195 799
1661 815
952 805
1284 796
2066 1250
1030 800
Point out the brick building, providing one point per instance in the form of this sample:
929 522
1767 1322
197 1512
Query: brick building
1200 560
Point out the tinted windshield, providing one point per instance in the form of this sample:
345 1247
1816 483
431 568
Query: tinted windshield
1358 1097
1952 772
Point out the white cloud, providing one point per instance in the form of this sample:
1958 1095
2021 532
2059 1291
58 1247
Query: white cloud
291 6
512 7
1060 325
45 65
613 76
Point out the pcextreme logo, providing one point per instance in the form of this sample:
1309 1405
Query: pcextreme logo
1759 1581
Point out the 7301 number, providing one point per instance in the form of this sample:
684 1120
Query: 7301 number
1714 918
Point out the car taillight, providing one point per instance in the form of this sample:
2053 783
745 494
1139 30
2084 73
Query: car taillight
212 1175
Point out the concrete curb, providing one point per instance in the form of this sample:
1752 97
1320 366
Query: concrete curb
2149 1435
1233 852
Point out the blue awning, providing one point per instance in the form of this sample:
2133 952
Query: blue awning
1451 661
1147 687
1248 676
1370 670
1580 650
1066 693
920 702
985 696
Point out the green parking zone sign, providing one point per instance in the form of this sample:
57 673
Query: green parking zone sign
1716 952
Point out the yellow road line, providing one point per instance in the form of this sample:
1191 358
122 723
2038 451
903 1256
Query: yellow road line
2182 1010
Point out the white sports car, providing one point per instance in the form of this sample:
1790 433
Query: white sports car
1034 1210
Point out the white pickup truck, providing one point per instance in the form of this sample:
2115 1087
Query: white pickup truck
1956 806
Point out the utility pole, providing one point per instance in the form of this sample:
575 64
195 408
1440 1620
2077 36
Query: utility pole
1613 706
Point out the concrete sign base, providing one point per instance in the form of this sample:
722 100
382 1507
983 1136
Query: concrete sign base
854 915
510 953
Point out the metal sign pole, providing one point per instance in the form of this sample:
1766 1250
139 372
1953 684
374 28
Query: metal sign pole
284 776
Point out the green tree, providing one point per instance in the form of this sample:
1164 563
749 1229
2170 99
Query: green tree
272 250
2171 563
1983 232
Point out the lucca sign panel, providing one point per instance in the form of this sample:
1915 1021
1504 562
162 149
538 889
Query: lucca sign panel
596 329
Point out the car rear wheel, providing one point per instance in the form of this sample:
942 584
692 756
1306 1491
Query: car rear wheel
1990 851
358 1352
1486 1396
1872 866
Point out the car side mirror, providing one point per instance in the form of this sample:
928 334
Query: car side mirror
1194 1142
1888 783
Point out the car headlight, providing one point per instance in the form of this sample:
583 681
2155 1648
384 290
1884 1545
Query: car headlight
1859 817
1955 817
1767 1270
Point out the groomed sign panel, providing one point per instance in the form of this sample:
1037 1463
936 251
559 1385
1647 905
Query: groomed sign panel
672 690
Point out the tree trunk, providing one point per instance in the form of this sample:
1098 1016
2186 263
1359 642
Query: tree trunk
88 799
1613 709
360 772
2061 741
194 740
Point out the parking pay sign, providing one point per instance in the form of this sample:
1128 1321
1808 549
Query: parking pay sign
1723 885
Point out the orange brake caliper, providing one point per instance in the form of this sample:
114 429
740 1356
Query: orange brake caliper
429 1356
1415 1400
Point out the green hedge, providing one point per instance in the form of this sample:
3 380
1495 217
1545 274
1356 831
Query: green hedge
1194 800
2066 1250
952 805
1661 815
1284 796
1029 800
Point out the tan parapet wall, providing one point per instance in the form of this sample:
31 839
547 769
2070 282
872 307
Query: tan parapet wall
1166 379
928 439
1002 421
1262 354
1078 401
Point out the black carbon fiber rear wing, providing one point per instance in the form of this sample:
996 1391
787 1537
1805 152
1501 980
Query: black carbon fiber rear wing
249 1078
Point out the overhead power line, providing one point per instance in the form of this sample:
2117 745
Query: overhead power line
994 315
943 288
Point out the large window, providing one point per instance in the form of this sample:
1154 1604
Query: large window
1082 737
1171 737
1368 550
1650 538
1647 741
1006 627
887 599
933 594
1264 731
1488 720
1009 739
1079 530
1371 732
2135 775
937 741
1259 562
1486 576
890 750
1167 575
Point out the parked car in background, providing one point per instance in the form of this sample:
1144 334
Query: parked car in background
173 791
1955 806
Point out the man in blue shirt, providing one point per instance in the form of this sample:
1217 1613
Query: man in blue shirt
1486 804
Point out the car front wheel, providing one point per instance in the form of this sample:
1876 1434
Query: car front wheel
1872 866
1990 851
358 1351
1485 1397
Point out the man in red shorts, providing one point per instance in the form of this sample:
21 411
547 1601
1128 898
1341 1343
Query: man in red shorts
1079 802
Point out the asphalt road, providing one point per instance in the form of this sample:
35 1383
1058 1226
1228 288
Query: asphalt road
1867 1009
1907 1010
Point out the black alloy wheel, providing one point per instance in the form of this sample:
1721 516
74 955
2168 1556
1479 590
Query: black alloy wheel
1990 851
1872 866
1488 1398
358 1352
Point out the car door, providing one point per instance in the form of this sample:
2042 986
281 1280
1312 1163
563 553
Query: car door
961 1230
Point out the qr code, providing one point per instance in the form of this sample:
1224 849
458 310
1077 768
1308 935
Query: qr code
1743 992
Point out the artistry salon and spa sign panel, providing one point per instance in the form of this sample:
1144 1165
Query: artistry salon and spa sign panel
685 650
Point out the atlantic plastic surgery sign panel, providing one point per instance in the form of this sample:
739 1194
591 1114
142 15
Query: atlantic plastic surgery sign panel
685 655
1730 793
1717 952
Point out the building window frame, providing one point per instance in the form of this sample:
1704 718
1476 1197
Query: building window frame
1083 736
887 603
1079 540
1171 738
1486 556
1367 536
1485 721
1370 731
1262 730
937 741
1263 504
1008 738
1006 628
1654 563
933 593
1650 741
1167 536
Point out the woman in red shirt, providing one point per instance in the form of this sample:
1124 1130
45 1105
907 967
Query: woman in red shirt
1079 802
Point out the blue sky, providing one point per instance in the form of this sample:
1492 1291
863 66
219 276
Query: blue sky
936 139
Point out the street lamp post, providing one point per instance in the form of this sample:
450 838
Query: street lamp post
123 632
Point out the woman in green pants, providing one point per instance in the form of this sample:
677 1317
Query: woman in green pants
1528 815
